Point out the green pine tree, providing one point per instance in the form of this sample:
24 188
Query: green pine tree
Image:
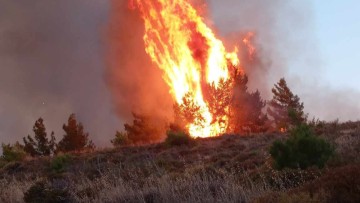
40 145
246 107
285 108
143 130
75 139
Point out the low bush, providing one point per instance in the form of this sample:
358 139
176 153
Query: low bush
44 192
121 139
301 150
2 163
59 163
285 197
178 138
12 152
341 184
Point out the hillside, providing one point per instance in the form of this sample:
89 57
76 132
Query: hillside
229 168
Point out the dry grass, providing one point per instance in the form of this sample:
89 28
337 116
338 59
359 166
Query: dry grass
224 169
193 185
12 190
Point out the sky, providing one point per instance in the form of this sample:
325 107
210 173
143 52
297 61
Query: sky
53 59
337 27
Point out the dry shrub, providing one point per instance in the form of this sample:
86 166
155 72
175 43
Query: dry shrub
288 197
348 148
191 186
342 184
290 178
12 190
47 192
178 138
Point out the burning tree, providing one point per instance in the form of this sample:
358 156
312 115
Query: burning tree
209 100
231 104
191 57
219 99
40 145
187 112
285 108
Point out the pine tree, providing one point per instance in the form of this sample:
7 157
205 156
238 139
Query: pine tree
256 116
238 104
285 108
246 108
75 138
218 100
187 112
40 145
143 130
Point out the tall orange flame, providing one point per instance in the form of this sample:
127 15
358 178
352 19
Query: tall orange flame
187 50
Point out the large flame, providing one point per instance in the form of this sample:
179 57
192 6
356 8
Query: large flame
187 50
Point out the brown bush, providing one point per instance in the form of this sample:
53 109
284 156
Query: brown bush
341 184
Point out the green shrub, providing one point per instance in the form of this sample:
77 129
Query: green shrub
178 138
13 152
120 139
43 192
301 150
59 163
2 163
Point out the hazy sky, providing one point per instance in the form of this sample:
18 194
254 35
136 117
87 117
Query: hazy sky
52 58
337 27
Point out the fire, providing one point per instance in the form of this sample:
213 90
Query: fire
190 55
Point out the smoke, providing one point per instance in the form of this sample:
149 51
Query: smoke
53 54
286 47
135 82
52 65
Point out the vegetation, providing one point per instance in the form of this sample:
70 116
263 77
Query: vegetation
230 99
229 168
75 138
120 139
40 145
12 152
187 112
43 192
246 115
59 163
219 99
178 138
285 107
302 150
223 169
143 130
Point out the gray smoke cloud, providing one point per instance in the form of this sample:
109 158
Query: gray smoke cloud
287 48
52 65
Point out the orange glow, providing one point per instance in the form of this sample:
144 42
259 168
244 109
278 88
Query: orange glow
190 55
